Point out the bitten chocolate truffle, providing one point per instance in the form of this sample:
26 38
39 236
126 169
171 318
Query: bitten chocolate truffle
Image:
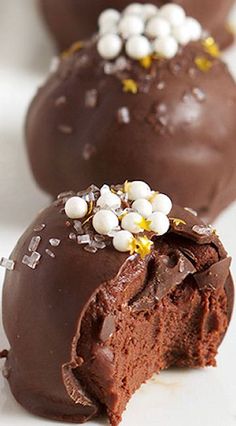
124 105
70 20
106 287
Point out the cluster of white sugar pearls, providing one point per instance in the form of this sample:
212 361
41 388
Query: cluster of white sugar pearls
144 29
148 209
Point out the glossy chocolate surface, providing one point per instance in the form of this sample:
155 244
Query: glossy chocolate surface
180 134
43 307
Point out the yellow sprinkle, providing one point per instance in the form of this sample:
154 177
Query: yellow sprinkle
75 47
133 246
88 219
151 198
144 224
177 221
126 186
146 62
90 207
141 246
203 64
130 86
211 47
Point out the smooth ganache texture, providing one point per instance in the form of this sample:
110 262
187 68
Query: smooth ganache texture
87 329
71 20
179 129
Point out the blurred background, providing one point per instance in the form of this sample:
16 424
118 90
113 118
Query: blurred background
25 56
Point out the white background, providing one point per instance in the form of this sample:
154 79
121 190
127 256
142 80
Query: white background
174 398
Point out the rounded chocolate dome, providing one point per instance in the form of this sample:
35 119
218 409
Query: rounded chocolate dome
68 303
171 122
71 20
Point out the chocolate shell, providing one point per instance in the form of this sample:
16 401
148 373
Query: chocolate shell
63 311
177 132
72 20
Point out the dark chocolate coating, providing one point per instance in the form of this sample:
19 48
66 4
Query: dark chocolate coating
43 309
72 20
180 138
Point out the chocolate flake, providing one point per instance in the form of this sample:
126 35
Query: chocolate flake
7 264
31 261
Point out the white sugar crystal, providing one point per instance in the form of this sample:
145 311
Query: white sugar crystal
34 243
7 264
90 249
91 98
78 227
84 239
202 230
50 253
39 228
54 65
64 195
123 115
72 236
98 244
54 242
31 261
188 209
99 238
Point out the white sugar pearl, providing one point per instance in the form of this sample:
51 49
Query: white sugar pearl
161 203
107 28
166 47
134 9
130 222
108 199
174 14
122 240
182 34
105 221
157 27
137 47
142 207
159 223
109 46
130 25
111 16
138 189
149 10
195 29
76 208
104 188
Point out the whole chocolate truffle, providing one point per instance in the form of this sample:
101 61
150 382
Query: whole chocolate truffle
89 320
170 121
71 20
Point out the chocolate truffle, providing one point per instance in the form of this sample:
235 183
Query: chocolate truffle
167 120
71 20
91 316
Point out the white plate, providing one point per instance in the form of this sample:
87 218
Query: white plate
174 398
